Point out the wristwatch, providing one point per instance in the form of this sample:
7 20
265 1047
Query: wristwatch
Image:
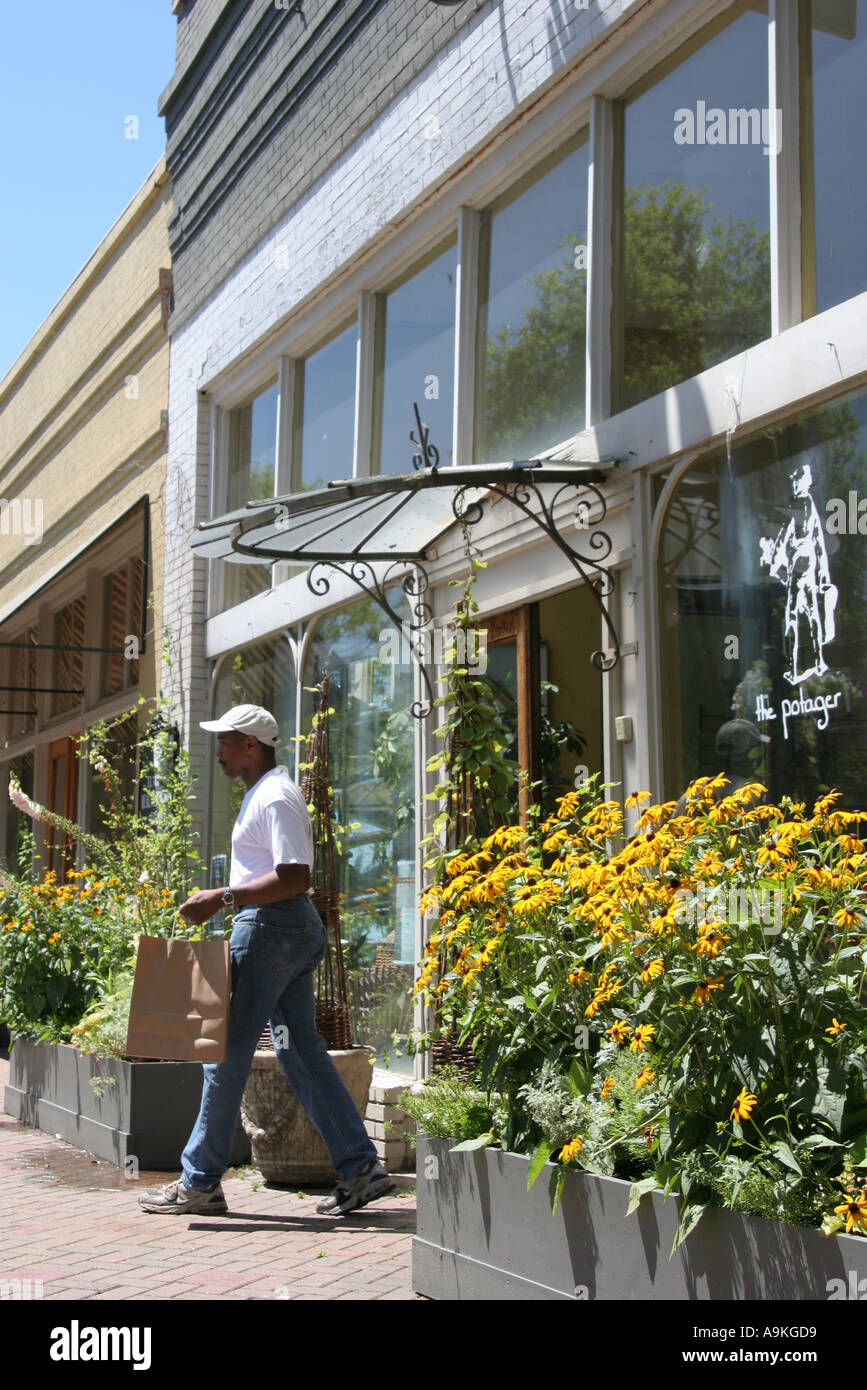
229 899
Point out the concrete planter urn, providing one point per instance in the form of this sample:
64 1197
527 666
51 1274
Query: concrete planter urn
116 1109
481 1235
285 1145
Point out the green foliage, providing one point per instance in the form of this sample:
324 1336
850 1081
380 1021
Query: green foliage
104 1027
57 947
449 1107
65 948
477 779
699 991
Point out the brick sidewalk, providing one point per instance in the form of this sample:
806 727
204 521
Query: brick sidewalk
74 1223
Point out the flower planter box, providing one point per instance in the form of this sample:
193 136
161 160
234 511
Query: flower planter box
482 1235
145 1110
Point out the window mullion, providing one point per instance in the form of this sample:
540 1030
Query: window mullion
785 180
466 330
600 203
365 387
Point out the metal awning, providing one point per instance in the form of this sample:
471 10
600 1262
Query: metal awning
354 526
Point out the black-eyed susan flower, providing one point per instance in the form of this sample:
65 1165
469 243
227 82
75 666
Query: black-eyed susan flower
705 987
641 1037
744 1103
855 1211
846 917
577 977
619 1031
652 970
710 940
570 1151
635 799
607 1087
836 1027
644 1077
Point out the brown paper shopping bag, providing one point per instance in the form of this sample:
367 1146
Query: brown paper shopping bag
180 1000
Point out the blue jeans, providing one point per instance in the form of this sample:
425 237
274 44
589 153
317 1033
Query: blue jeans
274 951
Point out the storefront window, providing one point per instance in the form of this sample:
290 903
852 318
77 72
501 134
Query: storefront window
838 98
261 674
694 263
763 613
328 428
372 777
252 446
419 363
535 314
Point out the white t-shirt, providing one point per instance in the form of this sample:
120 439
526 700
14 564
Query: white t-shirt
273 827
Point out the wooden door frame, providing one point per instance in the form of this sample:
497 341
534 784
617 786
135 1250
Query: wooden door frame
62 747
521 626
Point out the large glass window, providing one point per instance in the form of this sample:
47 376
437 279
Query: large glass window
764 609
419 363
694 254
328 411
252 446
534 315
372 778
837 95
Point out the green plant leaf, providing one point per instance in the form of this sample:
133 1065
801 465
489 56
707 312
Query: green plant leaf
541 1155
639 1190
754 1055
690 1215
786 1157
555 1188
857 1151
481 1142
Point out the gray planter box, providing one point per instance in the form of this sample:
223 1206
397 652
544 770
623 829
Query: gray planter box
146 1114
482 1235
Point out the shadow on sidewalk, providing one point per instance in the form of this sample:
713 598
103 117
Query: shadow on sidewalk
247 1222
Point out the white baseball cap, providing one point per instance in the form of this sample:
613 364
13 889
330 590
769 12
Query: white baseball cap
251 720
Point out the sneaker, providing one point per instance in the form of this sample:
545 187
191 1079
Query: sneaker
365 1186
177 1199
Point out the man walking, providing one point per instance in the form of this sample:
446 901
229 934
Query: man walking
277 941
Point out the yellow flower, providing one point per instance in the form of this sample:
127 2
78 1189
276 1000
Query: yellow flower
642 1035
846 917
570 1151
704 988
55 937
619 1031
484 956
854 1210
644 1077
836 1027
651 970
607 1087
636 798
743 1105
577 977
710 940
26 926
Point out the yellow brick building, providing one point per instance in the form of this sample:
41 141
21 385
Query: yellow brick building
83 421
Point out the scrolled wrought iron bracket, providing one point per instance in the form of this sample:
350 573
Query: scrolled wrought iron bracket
415 584
525 494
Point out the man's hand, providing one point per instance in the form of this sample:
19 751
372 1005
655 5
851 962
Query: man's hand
202 905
